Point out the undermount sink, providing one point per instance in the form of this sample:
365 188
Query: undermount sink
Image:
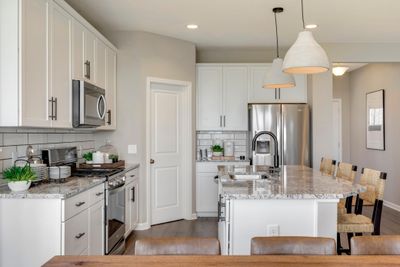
245 176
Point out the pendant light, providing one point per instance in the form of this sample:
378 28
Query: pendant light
305 56
276 78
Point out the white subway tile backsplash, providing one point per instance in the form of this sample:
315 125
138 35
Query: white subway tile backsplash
6 152
206 142
1 139
242 142
240 136
203 136
7 163
37 138
14 139
239 139
54 138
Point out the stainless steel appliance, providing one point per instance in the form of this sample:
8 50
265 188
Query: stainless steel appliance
290 124
88 105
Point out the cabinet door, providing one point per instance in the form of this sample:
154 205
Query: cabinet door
89 56
96 229
298 94
34 98
235 98
134 204
78 61
206 195
128 207
209 98
256 93
100 66
76 234
60 67
111 85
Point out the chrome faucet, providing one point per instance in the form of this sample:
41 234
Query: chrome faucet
273 136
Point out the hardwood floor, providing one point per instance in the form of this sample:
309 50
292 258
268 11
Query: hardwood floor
207 227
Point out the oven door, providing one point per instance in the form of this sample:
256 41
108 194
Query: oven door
89 105
115 220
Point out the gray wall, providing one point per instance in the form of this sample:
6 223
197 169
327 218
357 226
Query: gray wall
370 78
341 90
141 55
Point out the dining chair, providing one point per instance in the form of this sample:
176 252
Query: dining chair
356 223
346 171
327 166
375 245
292 245
177 246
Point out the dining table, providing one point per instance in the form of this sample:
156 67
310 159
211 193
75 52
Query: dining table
192 261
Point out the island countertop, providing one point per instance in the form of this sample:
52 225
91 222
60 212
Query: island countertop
293 182
72 187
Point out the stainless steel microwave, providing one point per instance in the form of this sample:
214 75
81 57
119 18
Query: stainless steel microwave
88 105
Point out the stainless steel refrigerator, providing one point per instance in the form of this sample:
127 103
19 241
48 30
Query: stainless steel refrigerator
290 123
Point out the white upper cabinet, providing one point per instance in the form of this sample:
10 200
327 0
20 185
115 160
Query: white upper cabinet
258 94
235 98
100 66
47 44
34 104
60 67
209 98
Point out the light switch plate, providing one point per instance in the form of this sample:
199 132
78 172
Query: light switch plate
132 149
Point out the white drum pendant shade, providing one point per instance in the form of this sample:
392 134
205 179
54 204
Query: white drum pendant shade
305 56
276 78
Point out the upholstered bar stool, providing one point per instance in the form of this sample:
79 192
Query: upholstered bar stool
347 172
177 246
375 245
292 245
374 181
327 166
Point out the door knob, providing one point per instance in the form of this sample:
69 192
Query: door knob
152 161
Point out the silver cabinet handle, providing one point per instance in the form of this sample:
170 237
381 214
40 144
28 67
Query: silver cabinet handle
132 175
133 194
87 69
224 120
109 117
99 193
220 121
55 108
51 116
80 203
79 235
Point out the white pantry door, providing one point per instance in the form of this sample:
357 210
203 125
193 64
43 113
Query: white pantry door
166 153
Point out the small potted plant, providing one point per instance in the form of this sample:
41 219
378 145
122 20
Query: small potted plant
217 150
88 157
19 178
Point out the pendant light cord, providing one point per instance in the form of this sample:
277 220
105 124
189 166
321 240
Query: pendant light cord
302 15
276 34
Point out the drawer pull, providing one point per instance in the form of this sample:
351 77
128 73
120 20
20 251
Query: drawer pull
132 175
79 235
99 194
80 203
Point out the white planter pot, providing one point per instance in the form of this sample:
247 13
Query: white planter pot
19 185
217 154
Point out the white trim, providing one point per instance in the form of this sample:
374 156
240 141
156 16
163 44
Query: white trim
207 214
391 205
187 145
194 216
142 226
339 101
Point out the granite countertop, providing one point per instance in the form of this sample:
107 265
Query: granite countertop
72 187
292 182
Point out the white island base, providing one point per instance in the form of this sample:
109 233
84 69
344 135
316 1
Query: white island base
248 218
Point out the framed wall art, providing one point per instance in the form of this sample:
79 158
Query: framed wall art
376 120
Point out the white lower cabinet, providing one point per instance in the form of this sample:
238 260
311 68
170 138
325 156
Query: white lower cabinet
131 201
207 187
42 228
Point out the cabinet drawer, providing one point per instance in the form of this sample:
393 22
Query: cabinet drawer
132 175
76 234
75 204
96 194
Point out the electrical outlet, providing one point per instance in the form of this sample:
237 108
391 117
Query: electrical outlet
132 149
273 230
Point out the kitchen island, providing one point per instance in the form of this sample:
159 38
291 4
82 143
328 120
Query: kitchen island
294 201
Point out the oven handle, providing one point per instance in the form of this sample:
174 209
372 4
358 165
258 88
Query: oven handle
119 186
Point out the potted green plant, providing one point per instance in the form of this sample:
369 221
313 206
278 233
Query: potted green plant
88 157
19 178
217 150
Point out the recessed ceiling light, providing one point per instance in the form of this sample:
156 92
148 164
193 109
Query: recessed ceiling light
311 26
339 71
192 26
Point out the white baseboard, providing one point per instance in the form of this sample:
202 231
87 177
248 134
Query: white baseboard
194 216
142 226
391 205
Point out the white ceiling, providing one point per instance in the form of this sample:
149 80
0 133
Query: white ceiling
248 23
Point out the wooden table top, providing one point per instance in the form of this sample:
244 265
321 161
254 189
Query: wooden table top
276 261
